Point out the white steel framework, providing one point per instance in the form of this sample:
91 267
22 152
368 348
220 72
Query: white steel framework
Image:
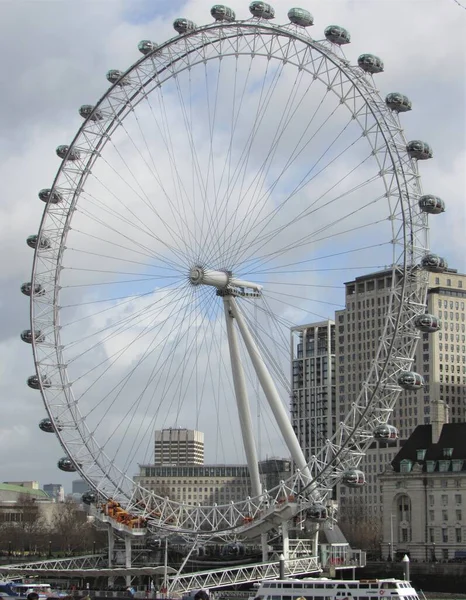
315 61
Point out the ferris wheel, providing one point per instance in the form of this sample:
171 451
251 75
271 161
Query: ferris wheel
220 192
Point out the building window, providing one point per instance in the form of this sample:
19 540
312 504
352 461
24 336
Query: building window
405 466
430 464
444 535
420 454
458 536
458 498
444 500
431 534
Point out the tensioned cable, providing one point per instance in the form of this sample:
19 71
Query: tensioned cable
140 228
181 368
180 189
261 109
155 378
150 426
302 183
158 179
124 380
124 324
310 238
244 166
144 197
277 137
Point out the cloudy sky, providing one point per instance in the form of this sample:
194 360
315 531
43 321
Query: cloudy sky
54 58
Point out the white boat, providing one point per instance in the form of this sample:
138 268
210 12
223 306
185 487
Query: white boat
18 591
339 589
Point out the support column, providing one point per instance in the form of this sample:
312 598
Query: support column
270 391
241 394
286 541
265 547
128 558
111 548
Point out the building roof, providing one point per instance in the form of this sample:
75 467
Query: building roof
19 489
453 436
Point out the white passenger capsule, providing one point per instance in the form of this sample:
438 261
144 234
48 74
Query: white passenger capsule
317 513
27 336
87 111
370 63
434 263
222 13
66 464
46 195
427 323
411 381
26 289
146 47
68 153
398 102
262 10
301 17
386 432
337 35
354 478
183 25
420 150
433 205
34 382
33 241
116 77
47 426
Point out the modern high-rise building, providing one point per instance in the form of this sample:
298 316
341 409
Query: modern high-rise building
353 341
440 358
55 491
179 447
313 408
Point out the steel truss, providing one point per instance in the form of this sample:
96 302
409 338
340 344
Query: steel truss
344 450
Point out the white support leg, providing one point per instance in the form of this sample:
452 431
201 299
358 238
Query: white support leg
286 540
270 392
111 548
265 547
128 558
111 544
244 411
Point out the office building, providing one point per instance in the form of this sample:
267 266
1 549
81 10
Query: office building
55 491
424 496
313 400
197 484
209 484
179 447
440 358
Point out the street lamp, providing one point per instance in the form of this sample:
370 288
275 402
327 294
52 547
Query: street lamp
50 549
434 557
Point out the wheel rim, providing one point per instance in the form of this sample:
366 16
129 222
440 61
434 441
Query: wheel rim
259 243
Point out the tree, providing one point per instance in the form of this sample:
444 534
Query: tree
362 530
69 527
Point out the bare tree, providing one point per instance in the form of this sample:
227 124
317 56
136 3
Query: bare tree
362 530
69 528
